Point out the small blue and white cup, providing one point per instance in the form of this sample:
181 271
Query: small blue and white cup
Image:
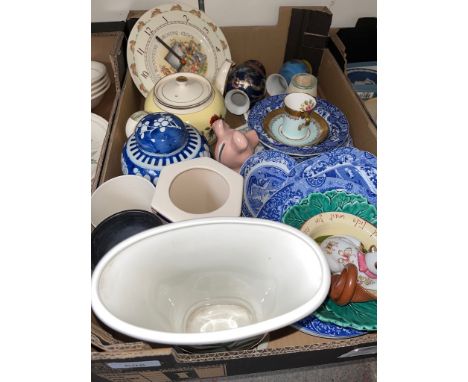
298 108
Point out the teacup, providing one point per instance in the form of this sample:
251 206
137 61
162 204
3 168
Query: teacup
303 83
298 108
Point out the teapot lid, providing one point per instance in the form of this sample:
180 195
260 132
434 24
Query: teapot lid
183 90
160 133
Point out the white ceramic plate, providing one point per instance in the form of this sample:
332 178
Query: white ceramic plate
98 133
188 31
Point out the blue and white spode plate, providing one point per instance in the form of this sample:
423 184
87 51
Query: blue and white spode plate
346 169
263 173
313 326
337 123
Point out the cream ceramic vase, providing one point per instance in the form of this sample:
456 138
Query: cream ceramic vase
192 98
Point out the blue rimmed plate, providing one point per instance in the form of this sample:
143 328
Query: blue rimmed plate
264 173
337 123
344 169
313 326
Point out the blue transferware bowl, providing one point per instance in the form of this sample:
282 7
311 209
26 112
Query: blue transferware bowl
160 139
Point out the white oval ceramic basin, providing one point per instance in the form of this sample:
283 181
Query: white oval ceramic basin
209 281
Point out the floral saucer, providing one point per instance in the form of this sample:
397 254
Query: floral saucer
264 173
317 130
344 169
334 117
315 327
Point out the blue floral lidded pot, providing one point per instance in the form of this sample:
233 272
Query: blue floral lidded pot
158 140
250 78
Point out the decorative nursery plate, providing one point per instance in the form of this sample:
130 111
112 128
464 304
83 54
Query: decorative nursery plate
317 130
200 46
329 201
356 315
98 133
313 326
334 117
336 170
341 224
263 173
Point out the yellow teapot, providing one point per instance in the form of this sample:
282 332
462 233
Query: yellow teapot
192 98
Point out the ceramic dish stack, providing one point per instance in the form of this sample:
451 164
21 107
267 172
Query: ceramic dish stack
333 193
100 83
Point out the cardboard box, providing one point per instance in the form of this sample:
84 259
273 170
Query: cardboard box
339 52
108 48
117 358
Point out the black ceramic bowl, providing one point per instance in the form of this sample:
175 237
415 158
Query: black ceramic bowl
117 228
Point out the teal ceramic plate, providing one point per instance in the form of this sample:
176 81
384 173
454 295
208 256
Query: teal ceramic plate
330 201
356 315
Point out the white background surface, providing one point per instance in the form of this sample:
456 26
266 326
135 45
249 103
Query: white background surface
240 12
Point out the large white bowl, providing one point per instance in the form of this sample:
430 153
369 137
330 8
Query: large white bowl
209 281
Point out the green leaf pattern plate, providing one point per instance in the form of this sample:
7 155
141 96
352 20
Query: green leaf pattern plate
330 201
356 315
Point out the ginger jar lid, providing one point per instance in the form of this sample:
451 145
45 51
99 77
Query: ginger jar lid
161 133
183 91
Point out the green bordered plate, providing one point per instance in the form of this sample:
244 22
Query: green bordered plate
330 201
356 315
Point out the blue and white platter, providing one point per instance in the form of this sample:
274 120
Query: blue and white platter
337 123
264 173
346 169
313 326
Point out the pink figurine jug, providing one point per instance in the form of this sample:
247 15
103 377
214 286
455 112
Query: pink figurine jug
233 147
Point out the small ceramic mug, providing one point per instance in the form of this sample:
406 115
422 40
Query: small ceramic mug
237 101
298 108
276 84
303 83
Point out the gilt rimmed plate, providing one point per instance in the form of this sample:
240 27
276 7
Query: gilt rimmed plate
316 132
320 174
98 133
189 32
336 120
264 173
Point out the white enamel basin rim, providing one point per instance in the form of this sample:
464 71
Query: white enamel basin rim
304 259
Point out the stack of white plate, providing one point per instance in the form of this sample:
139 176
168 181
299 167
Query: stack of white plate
100 82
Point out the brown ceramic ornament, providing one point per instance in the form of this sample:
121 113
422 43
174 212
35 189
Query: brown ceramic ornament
344 287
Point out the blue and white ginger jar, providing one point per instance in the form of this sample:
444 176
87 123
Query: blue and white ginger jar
160 139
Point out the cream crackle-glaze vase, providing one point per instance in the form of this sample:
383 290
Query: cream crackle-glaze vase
192 98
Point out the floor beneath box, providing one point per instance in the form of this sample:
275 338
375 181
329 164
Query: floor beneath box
362 370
